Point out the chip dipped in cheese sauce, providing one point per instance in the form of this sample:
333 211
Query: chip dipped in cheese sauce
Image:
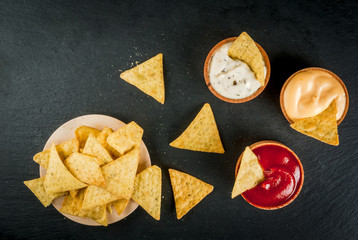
231 78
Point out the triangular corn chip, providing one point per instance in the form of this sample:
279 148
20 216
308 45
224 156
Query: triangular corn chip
250 173
102 139
94 148
322 127
73 206
120 205
148 190
58 178
37 187
42 158
64 150
202 134
73 193
188 191
109 208
120 174
245 49
85 168
126 138
83 132
97 196
148 77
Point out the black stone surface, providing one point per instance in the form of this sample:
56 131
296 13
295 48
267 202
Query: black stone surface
62 59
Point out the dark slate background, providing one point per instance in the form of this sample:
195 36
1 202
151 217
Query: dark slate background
62 59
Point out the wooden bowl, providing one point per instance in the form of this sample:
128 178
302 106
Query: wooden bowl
320 69
298 190
242 100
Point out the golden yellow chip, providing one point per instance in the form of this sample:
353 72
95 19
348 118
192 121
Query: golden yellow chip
126 138
37 187
109 208
102 139
94 148
120 174
202 134
120 205
73 206
148 77
322 127
42 158
58 178
250 173
99 214
64 150
73 193
188 191
148 190
83 132
245 49
97 196
85 168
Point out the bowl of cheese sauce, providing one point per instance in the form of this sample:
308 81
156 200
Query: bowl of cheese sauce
310 91
230 79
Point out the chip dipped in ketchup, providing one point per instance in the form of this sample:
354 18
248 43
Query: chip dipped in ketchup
283 172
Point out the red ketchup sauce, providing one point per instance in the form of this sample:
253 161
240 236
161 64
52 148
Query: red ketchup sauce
283 177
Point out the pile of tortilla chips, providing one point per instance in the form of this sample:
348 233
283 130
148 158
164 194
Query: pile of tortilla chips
97 170
322 127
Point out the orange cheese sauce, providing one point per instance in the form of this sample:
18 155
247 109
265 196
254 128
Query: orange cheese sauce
310 92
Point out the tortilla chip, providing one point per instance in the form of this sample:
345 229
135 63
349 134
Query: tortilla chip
83 132
64 150
58 178
188 191
148 190
42 158
120 205
245 49
102 139
73 206
148 77
94 148
322 127
120 174
99 214
109 208
97 196
85 168
37 187
250 173
73 193
126 138
202 134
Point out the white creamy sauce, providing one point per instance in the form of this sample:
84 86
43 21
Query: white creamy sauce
231 78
